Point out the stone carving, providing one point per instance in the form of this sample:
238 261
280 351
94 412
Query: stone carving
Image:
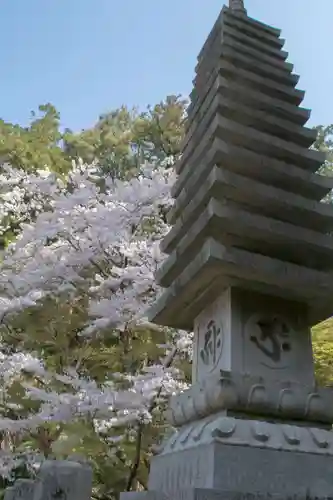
64 480
277 334
213 345
239 392
272 337
209 340
255 433
23 489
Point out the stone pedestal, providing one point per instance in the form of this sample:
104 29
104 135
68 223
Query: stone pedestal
248 457
248 269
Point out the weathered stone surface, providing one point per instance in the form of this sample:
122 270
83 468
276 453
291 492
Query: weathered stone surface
249 271
244 37
250 30
63 479
240 192
210 494
234 57
245 469
250 93
273 334
254 233
252 395
258 120
247 21
215 268
231 52
278 99
262 168
145 495
233 431
239 35
247 116
272 243
239 41
23 489
254 55
255 140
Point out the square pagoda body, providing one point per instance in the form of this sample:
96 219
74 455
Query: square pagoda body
247 332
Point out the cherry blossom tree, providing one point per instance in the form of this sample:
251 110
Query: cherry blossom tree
83 370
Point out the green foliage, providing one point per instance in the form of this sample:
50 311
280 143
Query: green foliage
37 146
52 333
323 333
323 352
324 143
122 139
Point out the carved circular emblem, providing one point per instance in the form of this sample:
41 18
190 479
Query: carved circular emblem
271 338
211 345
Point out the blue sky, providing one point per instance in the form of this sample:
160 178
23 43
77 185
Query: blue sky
90 56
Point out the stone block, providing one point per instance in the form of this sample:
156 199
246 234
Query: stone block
63 479
23 489
236 81
254 55
247 21
261 35
253 233
259 84
244 469
146 495
255 166
216 267
254 28
210 494
195 494
241 36
251 196
234 393
248 195
240 429
231 53
266 95
247 332
244 37
235 130
233 109
237 228
255 140
215 33
244 45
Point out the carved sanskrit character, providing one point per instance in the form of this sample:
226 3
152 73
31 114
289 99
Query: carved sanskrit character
273 338
212 343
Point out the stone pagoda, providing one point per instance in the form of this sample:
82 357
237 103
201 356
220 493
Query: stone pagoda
250 271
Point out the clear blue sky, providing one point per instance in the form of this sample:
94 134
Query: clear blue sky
89 56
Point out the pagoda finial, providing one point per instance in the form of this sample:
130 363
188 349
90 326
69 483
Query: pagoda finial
237 6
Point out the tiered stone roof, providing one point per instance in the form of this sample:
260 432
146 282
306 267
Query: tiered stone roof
248 208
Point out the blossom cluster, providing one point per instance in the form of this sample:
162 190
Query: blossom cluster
95 236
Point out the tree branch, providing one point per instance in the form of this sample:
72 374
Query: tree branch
140 426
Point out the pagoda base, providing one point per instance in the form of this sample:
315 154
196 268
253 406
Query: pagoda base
227 457
209 494
245 470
